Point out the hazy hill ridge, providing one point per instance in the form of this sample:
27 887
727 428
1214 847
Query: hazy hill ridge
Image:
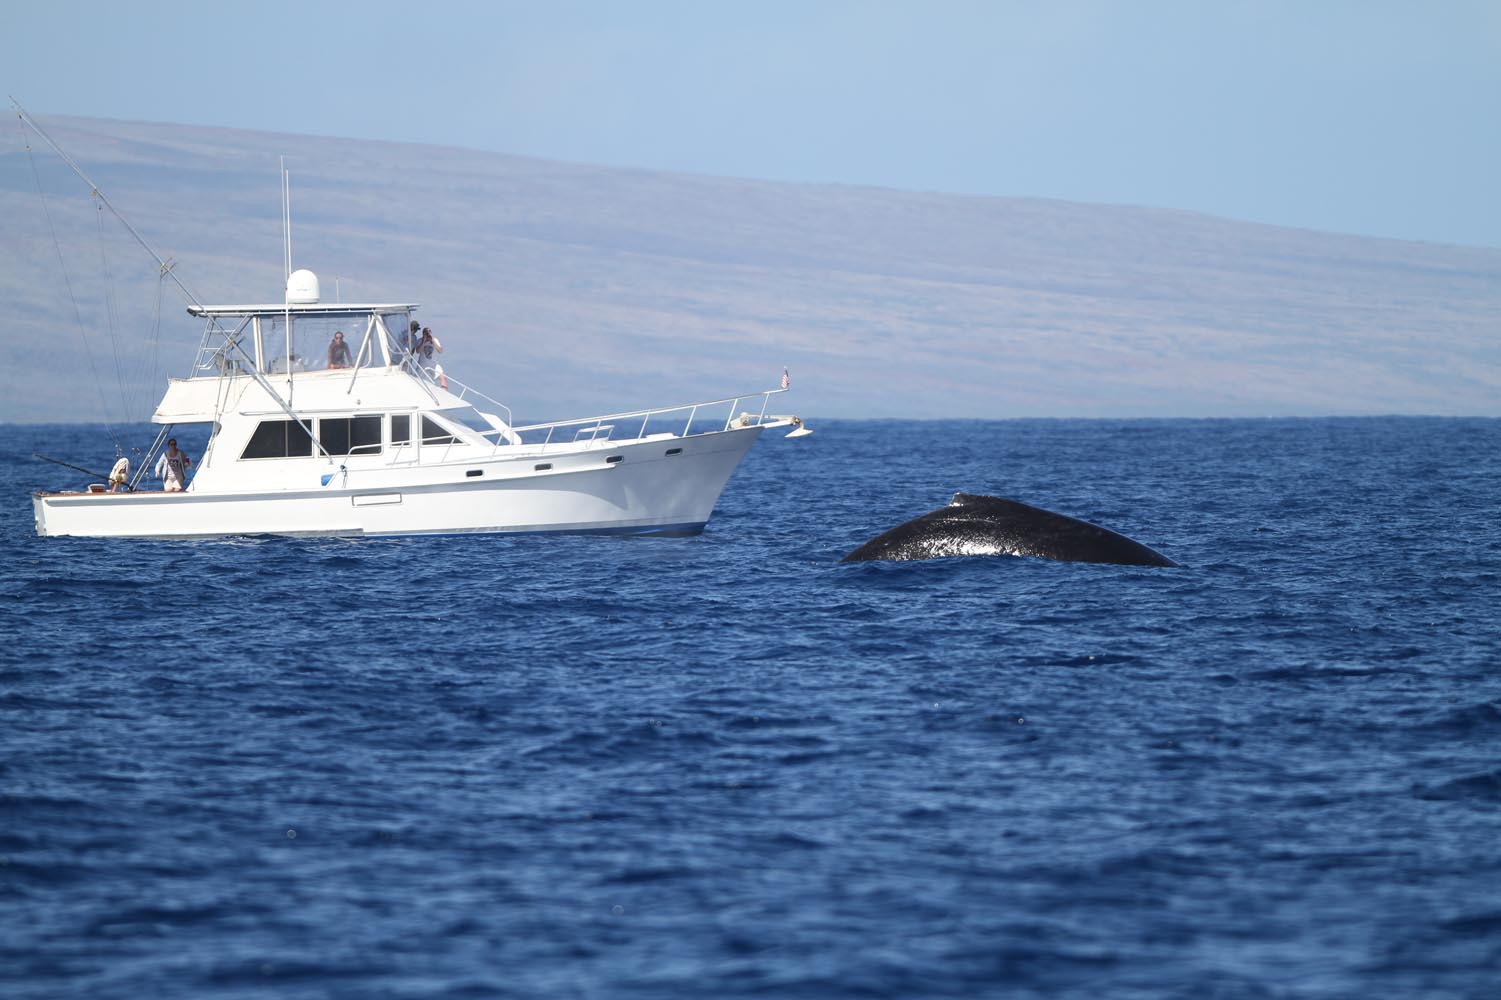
564 289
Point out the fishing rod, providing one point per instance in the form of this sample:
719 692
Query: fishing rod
77 468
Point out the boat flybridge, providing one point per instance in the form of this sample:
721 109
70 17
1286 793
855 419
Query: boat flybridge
377 439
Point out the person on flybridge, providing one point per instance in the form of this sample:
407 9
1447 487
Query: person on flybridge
172 468
120 475
338 351
428 348
406 343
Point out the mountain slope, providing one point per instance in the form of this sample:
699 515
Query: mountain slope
564 289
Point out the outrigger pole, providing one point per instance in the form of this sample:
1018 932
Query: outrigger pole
167 269
165 266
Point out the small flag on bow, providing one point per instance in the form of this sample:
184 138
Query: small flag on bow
786 379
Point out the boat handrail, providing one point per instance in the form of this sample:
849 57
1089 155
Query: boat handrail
466 389
595 426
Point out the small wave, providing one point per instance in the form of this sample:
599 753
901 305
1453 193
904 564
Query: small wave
1484 787
768 722
156 919
651 737
645 875
1153 861
1470 720
1485 924
273 974
802 757
19 872
1310 675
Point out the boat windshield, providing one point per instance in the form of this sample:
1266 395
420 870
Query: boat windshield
399 339
320 342
360 337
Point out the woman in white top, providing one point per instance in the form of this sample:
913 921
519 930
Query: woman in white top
172 468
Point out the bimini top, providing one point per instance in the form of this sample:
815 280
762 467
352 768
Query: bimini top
315 309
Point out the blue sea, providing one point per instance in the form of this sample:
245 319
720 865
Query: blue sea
729 766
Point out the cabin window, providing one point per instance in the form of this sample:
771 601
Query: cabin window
435 433
401 429
279 439
350 435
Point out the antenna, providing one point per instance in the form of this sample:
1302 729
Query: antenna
286 233
286 218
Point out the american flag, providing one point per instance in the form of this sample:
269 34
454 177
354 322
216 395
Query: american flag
786 379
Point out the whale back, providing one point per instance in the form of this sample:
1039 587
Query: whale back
974 525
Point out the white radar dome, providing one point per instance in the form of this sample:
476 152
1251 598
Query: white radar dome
302 288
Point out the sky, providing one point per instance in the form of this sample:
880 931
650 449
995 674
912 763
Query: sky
1360 116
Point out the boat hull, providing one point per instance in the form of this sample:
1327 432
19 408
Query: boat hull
650 487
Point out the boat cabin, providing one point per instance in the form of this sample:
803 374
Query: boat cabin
346 384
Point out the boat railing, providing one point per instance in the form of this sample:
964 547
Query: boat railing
675 421
465 391
228 357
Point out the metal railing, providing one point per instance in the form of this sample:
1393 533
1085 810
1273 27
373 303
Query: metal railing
603 428
586 430
466 390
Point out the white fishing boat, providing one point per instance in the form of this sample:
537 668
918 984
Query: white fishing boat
373 437
394 445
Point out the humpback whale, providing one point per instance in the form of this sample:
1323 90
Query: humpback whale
993 526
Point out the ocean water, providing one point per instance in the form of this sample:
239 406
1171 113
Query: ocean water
730 766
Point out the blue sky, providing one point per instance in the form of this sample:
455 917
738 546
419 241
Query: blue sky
1370 117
